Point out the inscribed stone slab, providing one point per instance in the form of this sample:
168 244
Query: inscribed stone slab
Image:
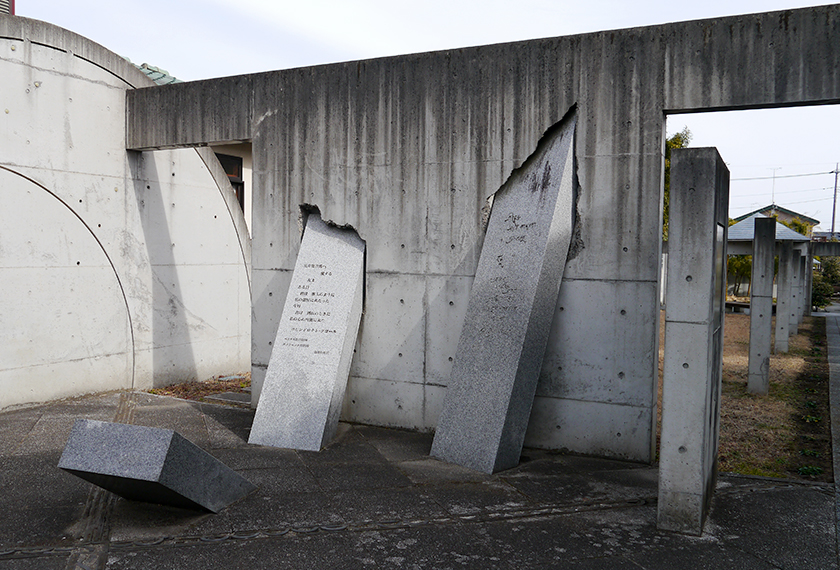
152 465
307 374
500 352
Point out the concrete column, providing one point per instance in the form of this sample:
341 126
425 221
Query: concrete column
783 296
809 279
693 338
802 306
795 293
761 305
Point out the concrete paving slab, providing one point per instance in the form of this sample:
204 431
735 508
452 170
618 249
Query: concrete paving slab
383 505
16 424
397 445
27 480
231 399
771 524
434 471
39 563
181 416
551 511
475 498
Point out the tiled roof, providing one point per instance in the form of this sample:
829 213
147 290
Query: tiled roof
156 74
745 230
777 208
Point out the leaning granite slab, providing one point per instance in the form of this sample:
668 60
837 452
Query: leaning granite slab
151 465
304 386
502 345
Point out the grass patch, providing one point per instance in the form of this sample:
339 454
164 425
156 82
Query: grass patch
786 433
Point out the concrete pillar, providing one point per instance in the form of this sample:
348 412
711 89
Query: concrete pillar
693 338
803 290
761 305
809 279
795 293
783 296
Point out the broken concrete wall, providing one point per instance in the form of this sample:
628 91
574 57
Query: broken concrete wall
120 269
408 149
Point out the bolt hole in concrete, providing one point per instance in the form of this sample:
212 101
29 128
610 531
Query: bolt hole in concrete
624 249
623 312
688 278
682 449
685 364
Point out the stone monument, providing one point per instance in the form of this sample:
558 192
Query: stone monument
151 465
511 305
307 374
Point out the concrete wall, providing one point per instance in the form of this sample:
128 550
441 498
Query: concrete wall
119 269
408 149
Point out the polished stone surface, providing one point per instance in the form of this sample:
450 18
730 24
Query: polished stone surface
304 387
151 465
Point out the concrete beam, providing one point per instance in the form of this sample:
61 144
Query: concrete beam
828 248
761 305
195 113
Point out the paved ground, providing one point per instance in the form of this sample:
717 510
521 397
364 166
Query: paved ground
374 499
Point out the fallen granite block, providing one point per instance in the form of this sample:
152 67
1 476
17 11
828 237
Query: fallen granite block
152 465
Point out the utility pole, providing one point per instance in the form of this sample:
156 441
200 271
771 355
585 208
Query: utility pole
834 206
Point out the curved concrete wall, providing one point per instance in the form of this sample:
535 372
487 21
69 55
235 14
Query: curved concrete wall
119 269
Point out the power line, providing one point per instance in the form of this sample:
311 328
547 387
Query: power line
785 176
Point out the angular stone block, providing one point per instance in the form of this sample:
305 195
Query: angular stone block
152 465
508 320
301 397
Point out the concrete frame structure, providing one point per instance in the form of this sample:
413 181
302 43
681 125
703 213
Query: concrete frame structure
120 270
787 245
761 305
408 149
693 364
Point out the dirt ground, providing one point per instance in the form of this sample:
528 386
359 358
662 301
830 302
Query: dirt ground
787 432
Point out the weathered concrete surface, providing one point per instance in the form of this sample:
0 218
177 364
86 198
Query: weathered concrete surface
119 269
691 383
151 465
300 401
502 344
784 297
375 499
795 293
407 149
761 305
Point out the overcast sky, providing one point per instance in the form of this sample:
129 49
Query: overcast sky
198 39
